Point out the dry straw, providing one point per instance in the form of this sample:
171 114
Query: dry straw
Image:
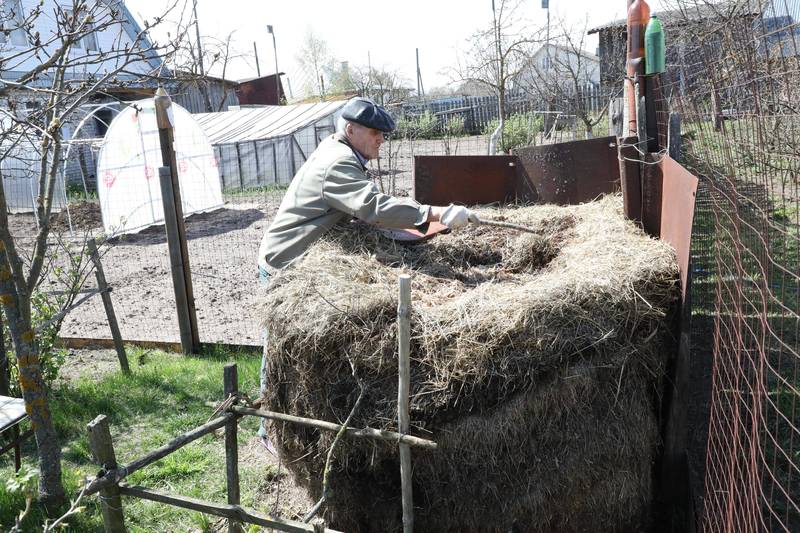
537 361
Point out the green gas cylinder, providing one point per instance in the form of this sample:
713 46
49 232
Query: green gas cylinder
654 47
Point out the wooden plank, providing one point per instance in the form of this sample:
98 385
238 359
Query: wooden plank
362 433
103 451
116 475
108 305
83 342
403 386
225 511
176 261
231 388
164 119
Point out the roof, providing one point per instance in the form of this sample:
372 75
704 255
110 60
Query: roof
266 122
572 51
737 8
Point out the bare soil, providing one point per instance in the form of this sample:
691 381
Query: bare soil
223 245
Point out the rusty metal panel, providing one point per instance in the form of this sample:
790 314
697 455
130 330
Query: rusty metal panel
572 172
677 212
465 179
630 179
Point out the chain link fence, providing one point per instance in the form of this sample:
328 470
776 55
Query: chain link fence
732 76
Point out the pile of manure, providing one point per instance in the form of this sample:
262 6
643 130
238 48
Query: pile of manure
536 364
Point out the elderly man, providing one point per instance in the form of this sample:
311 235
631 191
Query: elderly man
332 185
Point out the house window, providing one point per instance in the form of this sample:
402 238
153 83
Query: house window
11 19
546 63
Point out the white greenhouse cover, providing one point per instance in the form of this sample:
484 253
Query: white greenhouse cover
127 169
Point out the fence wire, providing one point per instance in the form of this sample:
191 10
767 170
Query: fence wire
732 76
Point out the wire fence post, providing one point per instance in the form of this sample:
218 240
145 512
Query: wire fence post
103 452
105 294
231 389
404 352
173 206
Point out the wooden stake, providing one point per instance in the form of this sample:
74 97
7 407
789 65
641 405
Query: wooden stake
165 121
103 451
4 375
227 511
404 372
176 261
358 433
105 294
231 388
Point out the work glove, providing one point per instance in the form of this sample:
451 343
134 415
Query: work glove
455 216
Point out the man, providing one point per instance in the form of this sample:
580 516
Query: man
332 185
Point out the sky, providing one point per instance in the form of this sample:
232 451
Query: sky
384 33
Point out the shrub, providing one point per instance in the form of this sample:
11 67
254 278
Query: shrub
423 126
518 130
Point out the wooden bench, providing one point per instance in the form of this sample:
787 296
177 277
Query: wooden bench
12 413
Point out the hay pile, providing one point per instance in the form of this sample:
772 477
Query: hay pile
536 365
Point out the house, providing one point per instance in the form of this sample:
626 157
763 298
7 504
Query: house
139 79
555 68
112 41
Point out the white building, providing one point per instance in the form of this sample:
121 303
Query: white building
559 66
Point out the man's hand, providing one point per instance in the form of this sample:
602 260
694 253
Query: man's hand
455 216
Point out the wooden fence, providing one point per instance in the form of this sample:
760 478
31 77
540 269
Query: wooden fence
110 480
479 111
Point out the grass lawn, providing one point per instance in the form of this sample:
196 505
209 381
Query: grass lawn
163 398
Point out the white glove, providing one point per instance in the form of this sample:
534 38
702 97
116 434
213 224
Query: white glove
455 216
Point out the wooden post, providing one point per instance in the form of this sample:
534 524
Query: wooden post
103 451
176 262
239 166
165 122
231 387
675 136
105 294
404 373
4 378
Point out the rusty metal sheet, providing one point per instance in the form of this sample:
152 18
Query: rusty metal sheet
677 213
572 172
465 179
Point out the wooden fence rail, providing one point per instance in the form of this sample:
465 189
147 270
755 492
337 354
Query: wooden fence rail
110 480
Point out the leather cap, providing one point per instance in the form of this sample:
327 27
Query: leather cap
367 113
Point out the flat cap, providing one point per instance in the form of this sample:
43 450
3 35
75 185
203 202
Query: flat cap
367 113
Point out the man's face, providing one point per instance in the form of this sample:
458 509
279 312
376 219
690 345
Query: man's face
366 140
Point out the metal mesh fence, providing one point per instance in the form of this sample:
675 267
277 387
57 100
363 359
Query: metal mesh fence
223 243
732 78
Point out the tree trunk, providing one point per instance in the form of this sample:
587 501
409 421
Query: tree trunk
51 491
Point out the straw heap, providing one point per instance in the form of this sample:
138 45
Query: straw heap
536 366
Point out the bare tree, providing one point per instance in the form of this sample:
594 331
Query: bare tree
564 73
192 63
383 85
497 54
59 69
314 58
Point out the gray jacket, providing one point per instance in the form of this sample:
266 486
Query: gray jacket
332 185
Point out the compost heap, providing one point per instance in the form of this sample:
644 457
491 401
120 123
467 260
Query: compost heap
536 362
